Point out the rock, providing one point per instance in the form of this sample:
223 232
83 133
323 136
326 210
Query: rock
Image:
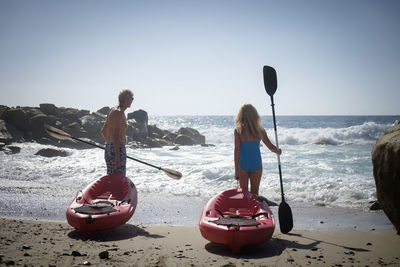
193 134
5 136
76 253
73 114
93 125
140 122
50 152
139 116
37 122
9 150
2 110
184 140
136 130
17 135
375 206
104 255
17 117
50 109
386 168
155 132
104 110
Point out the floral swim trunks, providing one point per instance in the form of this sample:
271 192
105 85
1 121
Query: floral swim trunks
109 156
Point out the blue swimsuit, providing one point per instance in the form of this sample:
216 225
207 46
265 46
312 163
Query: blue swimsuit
250 156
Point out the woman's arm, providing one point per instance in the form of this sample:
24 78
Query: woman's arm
237 154
268 143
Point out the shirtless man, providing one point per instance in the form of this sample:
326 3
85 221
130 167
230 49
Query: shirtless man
114 132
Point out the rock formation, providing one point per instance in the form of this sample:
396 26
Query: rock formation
386 166
25 124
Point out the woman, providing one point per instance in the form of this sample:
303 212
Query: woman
248 134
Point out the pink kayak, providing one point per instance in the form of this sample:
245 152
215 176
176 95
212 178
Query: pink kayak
104 204
236 219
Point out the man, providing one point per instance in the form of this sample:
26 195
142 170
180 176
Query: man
114 132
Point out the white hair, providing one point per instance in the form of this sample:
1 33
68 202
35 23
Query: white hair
124 95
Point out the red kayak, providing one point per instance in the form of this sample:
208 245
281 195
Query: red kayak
104 204
237 219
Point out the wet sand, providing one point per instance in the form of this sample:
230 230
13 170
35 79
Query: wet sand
36 243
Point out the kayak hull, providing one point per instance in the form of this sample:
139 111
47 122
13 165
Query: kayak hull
235 202
116 192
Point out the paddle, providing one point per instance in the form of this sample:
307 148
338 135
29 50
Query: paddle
61 135
285 212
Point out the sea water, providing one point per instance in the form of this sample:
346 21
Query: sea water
326 165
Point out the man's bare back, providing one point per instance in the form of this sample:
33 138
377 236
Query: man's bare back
114 129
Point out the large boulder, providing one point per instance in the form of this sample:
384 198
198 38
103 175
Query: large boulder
142 119
17 117
386 168
50 109
187 134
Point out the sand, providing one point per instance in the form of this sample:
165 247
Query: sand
44 243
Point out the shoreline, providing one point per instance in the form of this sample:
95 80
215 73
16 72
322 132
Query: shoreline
152 211
58 244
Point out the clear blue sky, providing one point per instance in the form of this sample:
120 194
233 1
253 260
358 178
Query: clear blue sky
203 57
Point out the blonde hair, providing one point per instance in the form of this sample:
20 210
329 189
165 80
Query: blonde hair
248 119
124 95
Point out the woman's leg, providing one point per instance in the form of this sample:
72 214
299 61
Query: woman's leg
243 180
255 179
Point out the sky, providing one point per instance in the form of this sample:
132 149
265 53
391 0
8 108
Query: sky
203 57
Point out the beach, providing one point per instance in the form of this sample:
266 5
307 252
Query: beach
49 243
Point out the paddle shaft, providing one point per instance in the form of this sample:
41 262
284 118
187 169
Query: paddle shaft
277 146
102 147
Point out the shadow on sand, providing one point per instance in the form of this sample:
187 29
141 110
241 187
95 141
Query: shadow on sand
272 248
122 232
329 243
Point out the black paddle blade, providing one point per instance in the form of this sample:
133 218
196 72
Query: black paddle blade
270 81
285 217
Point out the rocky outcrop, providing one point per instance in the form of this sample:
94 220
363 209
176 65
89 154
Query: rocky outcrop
26 124
386 167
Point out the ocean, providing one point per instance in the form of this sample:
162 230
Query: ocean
326 169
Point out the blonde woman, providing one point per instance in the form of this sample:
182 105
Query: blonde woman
248 135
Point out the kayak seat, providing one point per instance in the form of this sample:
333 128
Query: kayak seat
106 190
237 204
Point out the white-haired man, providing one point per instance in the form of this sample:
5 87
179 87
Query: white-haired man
114 132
